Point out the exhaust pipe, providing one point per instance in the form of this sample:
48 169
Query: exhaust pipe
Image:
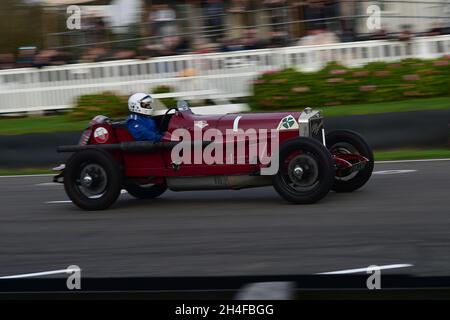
131 146
234 182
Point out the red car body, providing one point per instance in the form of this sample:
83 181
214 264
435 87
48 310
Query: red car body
148 162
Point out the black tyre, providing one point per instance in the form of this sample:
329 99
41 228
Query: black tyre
306 171
92 179
144 191
346 141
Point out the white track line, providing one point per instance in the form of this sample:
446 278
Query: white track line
46 184
416 160
58 201
393 171
29 175
69 201
38 274
385 267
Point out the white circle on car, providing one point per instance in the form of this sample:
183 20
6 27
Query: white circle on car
101 135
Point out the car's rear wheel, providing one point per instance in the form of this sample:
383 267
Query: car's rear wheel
306 171
346 141
92 179
143 189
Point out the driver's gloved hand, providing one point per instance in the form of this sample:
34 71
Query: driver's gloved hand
167 136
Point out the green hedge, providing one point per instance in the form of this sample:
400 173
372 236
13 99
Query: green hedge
337 85
107 104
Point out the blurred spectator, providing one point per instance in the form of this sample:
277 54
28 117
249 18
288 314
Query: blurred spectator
44 58
318 36
163 18
94 54
229 25
436 30
314 11
278 39
60 58
406 34
380 34
213 12
6 61
236 13
250 41
278 14
201 46
233 45
348 34
124 54
25 57
92 30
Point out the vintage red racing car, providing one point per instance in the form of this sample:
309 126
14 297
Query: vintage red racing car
310 161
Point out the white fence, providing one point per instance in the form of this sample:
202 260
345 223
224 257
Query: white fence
214 75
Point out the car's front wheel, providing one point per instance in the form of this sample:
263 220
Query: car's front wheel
306 171
92 179
350 142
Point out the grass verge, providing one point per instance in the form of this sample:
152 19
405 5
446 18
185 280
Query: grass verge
412 154
39 124
24 171
439 103
386 107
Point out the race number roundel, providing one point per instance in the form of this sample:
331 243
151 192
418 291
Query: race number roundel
101 135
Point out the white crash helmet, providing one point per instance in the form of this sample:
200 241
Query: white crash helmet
141 103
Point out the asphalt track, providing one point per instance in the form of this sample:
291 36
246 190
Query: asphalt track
397 218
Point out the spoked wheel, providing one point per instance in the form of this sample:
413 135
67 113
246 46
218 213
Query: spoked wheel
92 179
144 189
306 171
349 142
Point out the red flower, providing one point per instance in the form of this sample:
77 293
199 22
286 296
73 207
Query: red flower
335 80
411 77
360 74
441 63
338 71
301 89
370 87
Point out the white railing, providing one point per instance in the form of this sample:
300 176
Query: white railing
214 75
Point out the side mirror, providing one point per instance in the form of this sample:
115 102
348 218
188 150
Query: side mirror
182 105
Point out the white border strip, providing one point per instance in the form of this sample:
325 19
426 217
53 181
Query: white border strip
413 160
29 175
58 201
38 274
385 267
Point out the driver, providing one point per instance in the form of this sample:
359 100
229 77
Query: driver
139 122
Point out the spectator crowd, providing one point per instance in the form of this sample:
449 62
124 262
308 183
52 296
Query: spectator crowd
206 26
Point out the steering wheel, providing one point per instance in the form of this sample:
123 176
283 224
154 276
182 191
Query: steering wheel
165 120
